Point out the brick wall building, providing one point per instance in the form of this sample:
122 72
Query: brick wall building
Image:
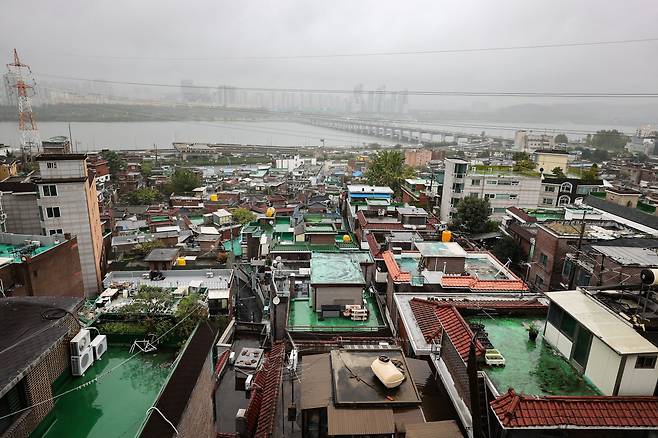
29 373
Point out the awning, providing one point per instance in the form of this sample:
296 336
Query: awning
359 421
219 294
316 381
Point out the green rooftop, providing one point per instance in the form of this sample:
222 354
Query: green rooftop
502 171
196 220
10 251
336 268
113 406
545 214
530 367
301 317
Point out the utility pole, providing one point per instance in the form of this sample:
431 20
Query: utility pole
572 273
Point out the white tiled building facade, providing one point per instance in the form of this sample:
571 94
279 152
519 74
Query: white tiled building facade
68 203
502 189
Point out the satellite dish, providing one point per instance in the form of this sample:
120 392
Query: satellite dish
276 300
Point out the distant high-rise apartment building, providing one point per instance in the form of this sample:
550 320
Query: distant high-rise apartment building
528 141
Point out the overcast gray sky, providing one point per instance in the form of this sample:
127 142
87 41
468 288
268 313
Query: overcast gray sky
47 32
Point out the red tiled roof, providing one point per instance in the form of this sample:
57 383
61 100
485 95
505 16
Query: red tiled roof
474 284
375 248
262 404
394 269
531 304
522 214
433 318
523 411
219 367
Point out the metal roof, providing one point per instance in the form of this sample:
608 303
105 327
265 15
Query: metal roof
371 421
602 322
630 255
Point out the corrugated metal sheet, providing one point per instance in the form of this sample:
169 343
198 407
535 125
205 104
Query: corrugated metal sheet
316 381
406 416
435 429
347 421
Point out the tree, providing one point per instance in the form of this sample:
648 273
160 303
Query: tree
146 247
558 172
143 196
591 175
483 154
610 140
595 155
524 165
521 156
182 180
147 168
114 161
472 215
506 248
561 138
243 216
387 168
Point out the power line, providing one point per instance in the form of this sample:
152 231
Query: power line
449 93
371 54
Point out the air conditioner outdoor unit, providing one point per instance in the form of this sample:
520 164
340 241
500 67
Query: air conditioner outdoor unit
99 346
80 364
80 342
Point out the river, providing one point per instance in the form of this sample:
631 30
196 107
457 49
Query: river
91 136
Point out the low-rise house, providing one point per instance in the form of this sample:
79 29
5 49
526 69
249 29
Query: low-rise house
34 355
162 259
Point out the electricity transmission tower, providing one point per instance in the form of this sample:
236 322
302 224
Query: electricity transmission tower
21 81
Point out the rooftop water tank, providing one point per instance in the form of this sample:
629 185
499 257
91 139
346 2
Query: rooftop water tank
387 372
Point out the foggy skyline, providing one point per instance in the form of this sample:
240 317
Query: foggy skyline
81 39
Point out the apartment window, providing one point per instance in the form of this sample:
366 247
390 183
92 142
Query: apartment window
554 315
564 200
568 325
499 210
645 362
53 212
492 182
55 231
550 189
474 195
489 196
566 269
50 190
475 182
51 165
513 196
547 201
543 259
504 182
514 182
502 196
566 187
538 281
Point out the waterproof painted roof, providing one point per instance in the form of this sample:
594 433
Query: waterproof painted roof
367 389
336 268
440 249
602 322
362 189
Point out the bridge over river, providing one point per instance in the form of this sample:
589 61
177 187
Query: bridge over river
404 132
